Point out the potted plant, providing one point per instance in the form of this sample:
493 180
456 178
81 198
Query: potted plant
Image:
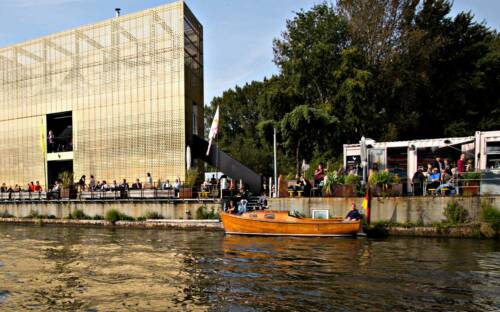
68 189
346 186
330 180
385 184
471 183
186 190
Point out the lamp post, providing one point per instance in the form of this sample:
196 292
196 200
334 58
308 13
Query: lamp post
275 164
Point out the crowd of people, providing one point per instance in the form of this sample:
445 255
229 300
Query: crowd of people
94 185
31 187
440 177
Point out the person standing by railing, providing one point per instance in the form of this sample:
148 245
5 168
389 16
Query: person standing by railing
92 184
149 181
81 183
319 174
461 164
38 187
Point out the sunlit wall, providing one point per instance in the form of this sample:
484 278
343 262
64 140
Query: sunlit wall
134 85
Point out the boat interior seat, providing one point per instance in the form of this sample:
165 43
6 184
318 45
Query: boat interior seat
296 214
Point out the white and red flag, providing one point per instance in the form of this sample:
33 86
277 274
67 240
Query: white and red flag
214 129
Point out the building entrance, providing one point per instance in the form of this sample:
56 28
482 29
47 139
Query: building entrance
57 167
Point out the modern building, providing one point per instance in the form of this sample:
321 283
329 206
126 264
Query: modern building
115 99
405 157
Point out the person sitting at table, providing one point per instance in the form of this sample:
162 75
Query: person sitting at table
137 185
55 191
354 214
124 186
205 185
262 202
166 185
434 179
114 186
299 184
448 182
104 186
38 187
3 189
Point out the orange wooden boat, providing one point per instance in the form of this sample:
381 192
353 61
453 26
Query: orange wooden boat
278 223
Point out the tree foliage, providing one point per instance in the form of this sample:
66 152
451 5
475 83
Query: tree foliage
386 69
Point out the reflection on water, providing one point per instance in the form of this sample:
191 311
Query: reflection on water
87 269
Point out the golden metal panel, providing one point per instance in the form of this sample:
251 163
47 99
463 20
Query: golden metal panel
130 82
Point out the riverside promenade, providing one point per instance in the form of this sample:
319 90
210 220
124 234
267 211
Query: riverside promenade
423 210
410 216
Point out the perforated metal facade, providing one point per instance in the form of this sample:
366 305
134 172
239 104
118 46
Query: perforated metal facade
134 85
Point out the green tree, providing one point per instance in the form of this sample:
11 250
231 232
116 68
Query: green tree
387 69
303 130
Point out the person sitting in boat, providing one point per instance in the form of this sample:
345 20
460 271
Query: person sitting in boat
354 214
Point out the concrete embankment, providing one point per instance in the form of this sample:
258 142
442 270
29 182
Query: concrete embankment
418 210
172 209
400 214
184 224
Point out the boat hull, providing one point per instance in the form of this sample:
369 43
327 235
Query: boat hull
284 225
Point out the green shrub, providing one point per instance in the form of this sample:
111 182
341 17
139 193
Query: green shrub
33 215
66 178
153 215
36 215
141 218
114 215
352 180
382 178
6 214
490 214
203 213
471 175
455 213
78 214
97 217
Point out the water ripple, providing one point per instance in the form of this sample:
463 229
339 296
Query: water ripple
60 268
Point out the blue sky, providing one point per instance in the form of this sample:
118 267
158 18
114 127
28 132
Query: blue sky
238 33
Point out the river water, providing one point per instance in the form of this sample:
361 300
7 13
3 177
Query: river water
104 269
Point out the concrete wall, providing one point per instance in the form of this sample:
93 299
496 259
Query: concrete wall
427 209
169 210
